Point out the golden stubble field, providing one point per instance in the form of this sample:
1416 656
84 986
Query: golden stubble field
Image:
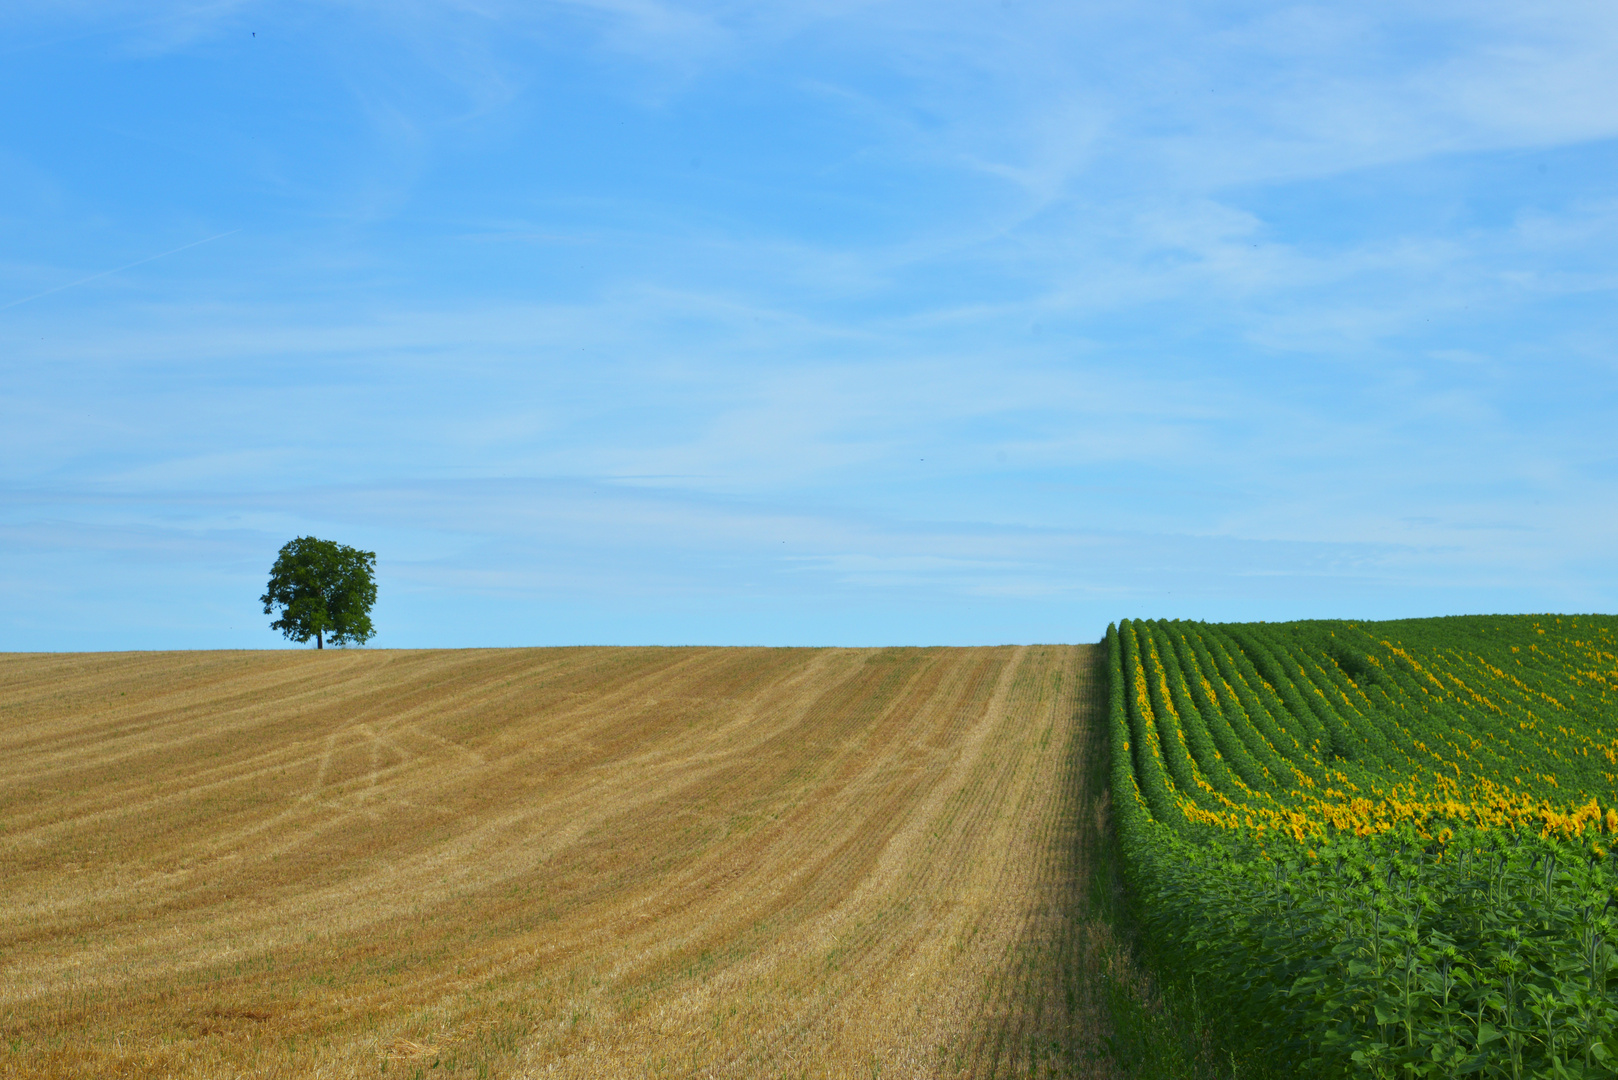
588 862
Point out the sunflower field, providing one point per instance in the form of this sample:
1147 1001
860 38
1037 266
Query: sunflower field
1380 848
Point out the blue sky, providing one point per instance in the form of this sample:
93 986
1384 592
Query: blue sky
622 321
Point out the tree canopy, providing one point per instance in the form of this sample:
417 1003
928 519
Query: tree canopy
324 590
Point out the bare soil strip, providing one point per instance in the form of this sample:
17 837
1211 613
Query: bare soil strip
549 862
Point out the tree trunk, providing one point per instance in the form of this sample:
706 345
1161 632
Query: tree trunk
320 642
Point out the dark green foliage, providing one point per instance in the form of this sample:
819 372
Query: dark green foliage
1394 955
323 589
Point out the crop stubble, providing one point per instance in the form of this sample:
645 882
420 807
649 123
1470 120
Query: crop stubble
549 862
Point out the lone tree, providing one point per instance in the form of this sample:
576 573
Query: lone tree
323 590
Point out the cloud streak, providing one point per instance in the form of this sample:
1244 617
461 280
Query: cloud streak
119 269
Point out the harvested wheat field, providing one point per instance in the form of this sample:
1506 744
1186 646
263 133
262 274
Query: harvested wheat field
549 862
